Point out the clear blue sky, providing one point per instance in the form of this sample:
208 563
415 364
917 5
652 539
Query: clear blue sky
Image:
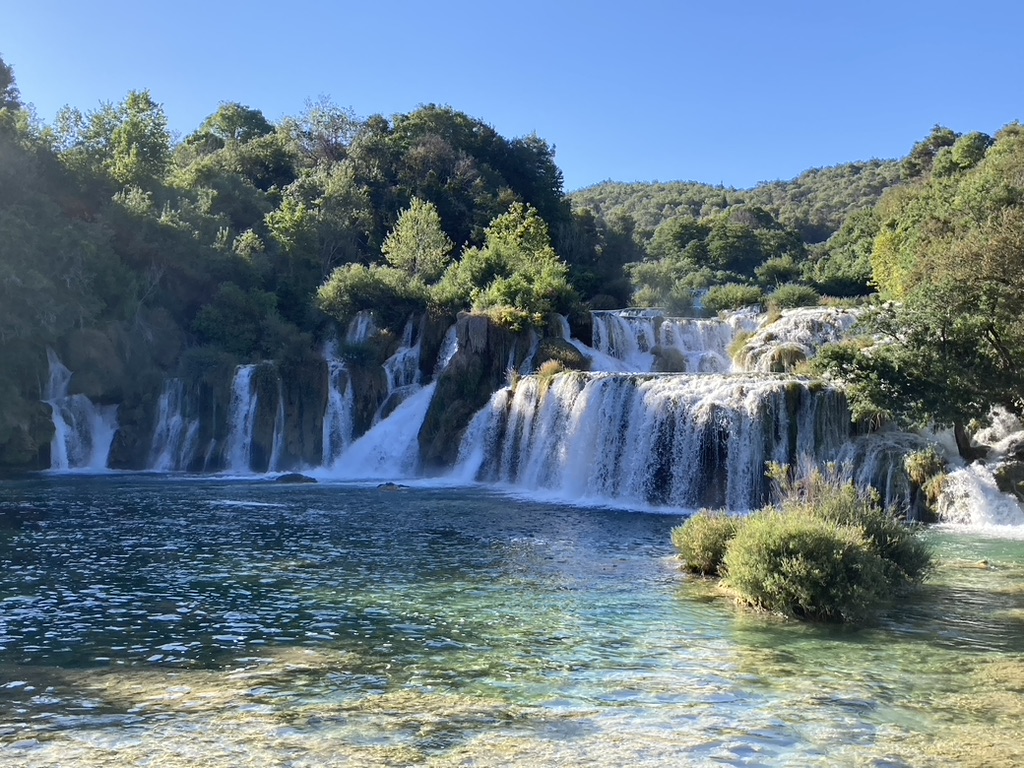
734 92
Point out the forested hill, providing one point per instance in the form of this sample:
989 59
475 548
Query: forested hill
814 204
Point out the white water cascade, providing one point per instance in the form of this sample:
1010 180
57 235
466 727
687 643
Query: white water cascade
242 419
449 348
970 497
634 338
338 414
360 328
794 337
390 448
83 431
678 440
175 438
403 367
626 335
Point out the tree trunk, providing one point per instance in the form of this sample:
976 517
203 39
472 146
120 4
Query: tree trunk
963 443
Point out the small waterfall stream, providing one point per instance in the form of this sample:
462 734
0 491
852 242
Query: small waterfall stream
175 443
238 456
389 449
337 429
83 431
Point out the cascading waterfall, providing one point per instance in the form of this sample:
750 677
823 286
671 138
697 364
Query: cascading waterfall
794 337
390 448
679 440
83 431
338 424
971 497
705 342
360 328
242 419
403 367
449 348
626 336
175 437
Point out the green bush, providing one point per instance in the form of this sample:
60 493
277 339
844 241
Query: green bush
702 541
806 567
732 296
793 295
824 495
389 292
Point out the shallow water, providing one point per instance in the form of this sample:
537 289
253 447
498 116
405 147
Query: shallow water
175 622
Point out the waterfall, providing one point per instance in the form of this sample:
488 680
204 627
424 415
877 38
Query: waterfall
971 497
337 429
449 347
175 437
794 337
390 449
83 431
626 336
360 328
278 441
679 440
705 342
403 367
241 419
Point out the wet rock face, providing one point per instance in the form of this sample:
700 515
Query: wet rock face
99 372
304 388
1009 477
25 436
486 350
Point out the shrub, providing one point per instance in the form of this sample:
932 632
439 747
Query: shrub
547 372
792 295
927 470
731 296
806 567
702 541
826 495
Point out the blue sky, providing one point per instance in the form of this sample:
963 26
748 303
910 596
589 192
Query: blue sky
735 92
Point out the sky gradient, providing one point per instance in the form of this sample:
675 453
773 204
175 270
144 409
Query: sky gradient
721 93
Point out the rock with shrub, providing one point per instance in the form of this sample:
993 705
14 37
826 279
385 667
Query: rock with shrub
825 551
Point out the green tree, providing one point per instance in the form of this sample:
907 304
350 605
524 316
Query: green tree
417 245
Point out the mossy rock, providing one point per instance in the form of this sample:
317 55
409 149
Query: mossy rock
560 351
476 371
669 360
26 430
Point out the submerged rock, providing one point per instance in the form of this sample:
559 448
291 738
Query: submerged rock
294 478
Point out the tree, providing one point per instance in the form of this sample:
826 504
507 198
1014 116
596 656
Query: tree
129 142
951 250
516 268
417 245
10 99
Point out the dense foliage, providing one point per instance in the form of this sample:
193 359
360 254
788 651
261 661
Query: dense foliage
677 241
949 257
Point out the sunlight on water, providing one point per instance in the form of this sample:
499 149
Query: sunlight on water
215 623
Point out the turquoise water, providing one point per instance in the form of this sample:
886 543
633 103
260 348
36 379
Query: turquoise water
173 622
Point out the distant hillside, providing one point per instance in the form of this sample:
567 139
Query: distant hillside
814 204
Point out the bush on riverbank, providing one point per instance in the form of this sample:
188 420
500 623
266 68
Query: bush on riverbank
702 541
825 551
